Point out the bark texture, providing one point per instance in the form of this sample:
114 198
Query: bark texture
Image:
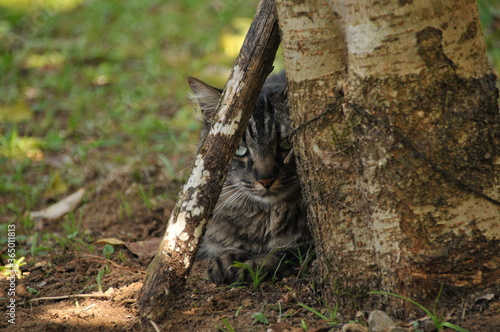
169 269
397 136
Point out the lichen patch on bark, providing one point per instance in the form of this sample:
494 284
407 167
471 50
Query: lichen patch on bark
199 174
364 38
227 129
174 230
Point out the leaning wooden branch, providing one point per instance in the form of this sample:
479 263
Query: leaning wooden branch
168 271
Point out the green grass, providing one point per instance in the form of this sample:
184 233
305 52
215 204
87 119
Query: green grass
227 326
330 318
81 78
101 83
489 11
256 275
437 320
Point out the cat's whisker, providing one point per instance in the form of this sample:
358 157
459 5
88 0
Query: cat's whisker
235 194
288 158
237 197
232 194
242 199
250 202
228 193
227 203
252 220
231 186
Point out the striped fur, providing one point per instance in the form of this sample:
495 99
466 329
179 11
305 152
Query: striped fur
259 217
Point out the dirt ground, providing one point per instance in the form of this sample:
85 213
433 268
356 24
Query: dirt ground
69 300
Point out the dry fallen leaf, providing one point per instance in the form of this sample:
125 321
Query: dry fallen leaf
487 297
146 248
56 187
143 249
59 209
110 240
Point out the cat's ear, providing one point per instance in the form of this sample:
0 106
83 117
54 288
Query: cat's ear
280 98
281 94
206 96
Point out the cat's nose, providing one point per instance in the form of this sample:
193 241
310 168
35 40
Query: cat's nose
267 183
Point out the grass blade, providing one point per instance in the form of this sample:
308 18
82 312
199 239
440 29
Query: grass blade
314 311
435 319
427 311
453 326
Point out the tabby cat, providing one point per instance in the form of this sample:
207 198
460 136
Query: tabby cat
259 218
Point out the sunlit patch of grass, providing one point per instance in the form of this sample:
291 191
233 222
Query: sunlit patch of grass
15 267
48 60
14 183
15 147
16 112
232 36
103 85
56 5
489 11
57 186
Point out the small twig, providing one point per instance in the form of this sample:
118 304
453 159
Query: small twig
310 121
100 260
128 301
154 325
89 307
65 297
464 308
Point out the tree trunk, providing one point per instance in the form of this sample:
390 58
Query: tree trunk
397 136
170 267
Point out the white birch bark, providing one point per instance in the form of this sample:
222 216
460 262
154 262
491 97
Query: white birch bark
397 142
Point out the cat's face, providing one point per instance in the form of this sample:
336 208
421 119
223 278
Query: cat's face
263 169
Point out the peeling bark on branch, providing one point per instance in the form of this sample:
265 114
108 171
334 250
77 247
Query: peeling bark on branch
169 269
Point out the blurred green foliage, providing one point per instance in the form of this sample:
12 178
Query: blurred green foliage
489 12
90 86
93 81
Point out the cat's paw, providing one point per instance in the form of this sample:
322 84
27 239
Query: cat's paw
261 267
229 268
220 274
221 269
238 272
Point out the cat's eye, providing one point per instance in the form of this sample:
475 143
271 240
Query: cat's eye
285 144
241 151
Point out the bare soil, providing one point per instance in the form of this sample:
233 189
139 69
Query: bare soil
71 273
